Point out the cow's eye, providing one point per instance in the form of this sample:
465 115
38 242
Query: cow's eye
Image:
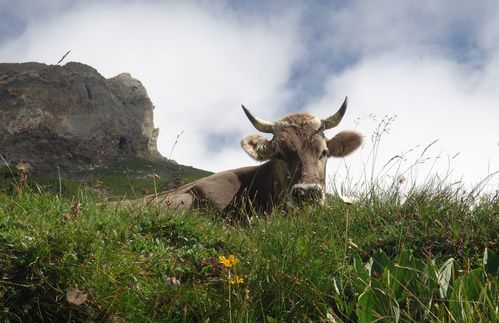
324 153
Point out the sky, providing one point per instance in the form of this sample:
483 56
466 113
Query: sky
422 77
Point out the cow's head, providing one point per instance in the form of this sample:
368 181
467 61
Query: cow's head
299 151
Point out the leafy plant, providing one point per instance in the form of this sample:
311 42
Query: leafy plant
408 288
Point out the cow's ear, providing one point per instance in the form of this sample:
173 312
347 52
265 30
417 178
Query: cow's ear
344 143
257 146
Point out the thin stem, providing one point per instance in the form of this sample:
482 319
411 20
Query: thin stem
230 303
346 238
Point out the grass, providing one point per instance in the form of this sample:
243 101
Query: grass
375 259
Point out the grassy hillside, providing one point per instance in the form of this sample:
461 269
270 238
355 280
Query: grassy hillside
432 258
131 177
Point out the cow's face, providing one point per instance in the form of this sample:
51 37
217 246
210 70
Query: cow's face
299 151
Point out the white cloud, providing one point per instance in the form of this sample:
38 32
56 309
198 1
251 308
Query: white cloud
368 27
434 99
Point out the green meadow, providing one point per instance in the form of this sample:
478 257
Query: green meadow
430 257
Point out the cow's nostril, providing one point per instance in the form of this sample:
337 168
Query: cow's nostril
300 191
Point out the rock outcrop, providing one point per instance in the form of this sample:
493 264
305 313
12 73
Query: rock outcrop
72 117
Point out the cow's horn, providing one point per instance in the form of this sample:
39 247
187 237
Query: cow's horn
259 124
335 119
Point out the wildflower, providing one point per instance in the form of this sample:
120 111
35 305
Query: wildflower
349 199
236 280
352 245
228 262
172 281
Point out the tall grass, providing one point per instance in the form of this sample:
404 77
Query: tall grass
373 259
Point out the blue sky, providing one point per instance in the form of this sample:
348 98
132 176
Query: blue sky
433 64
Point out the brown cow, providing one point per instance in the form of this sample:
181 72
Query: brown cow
294 170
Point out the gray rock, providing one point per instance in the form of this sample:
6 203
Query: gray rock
72 117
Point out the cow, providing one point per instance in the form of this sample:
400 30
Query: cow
293 171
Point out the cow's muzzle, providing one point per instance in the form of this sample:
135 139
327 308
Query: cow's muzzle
307 193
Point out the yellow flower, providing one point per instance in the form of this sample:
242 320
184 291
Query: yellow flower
236 280
228 262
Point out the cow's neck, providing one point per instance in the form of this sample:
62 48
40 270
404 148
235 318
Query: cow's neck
267 189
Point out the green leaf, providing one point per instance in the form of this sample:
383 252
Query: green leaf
363 277
374 304
366 306
405 258
396 275
357 264
466 290
379 261
490 262
368 266
455 300
472 284
429 280
270 319
206 269
445 276
398 280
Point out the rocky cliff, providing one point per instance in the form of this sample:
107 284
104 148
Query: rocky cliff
72 117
